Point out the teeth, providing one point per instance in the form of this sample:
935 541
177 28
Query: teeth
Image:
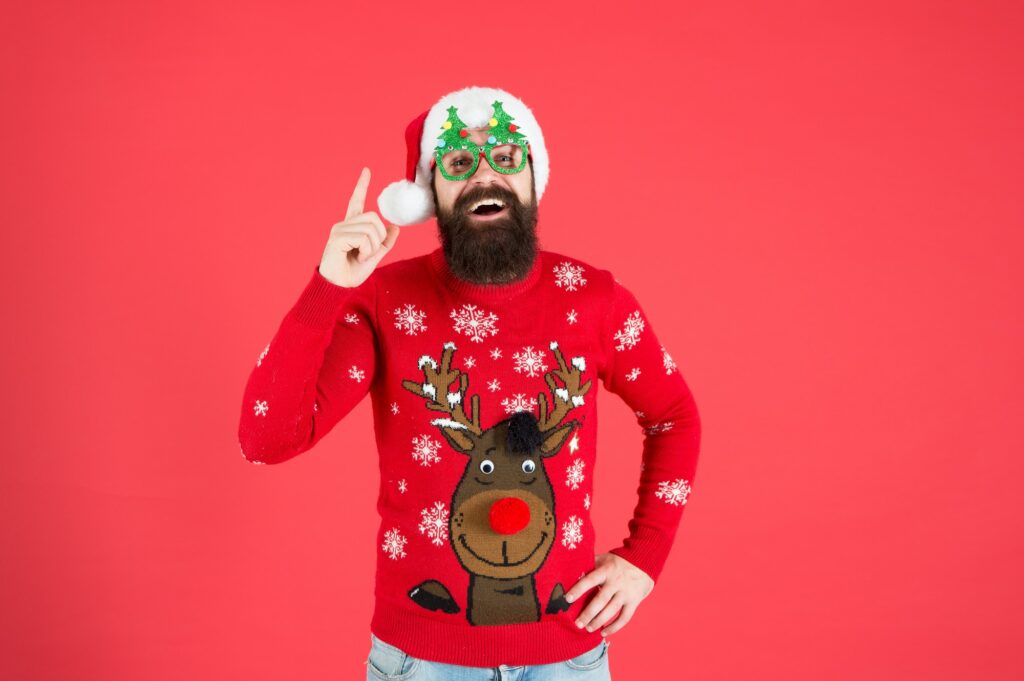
481 202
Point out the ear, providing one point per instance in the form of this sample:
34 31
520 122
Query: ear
553 442
461 440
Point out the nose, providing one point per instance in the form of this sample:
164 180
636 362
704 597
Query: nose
484 173
509 515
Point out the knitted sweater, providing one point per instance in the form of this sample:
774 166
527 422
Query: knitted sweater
485 414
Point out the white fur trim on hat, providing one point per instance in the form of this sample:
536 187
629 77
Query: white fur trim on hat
406 203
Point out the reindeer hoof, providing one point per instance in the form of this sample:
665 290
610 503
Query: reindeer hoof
432 595
557 602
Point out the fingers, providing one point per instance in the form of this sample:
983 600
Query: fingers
373 219
355 204
596 605
608 612
626 614
586 583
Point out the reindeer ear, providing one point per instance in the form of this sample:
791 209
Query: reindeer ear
553 442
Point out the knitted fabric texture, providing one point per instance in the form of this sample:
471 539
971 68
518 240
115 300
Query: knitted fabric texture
485 413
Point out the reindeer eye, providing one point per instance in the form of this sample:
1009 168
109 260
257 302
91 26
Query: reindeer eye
529 466
487 466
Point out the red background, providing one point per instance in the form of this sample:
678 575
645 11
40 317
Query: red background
818 205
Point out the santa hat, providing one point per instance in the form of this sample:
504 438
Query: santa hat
409 201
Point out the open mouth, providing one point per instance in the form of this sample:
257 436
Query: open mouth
488 208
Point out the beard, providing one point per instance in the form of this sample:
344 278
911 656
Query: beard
496 251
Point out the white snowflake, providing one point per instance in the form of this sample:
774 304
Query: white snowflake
474 322
629 334
658 427
570 316
529 360
666 359
403 486
640 414
496 353
409 319
572 532
673 492
262 355
434 523
316 406
351 318
394 407
470 362
586 501
519 403
425 450
574 474
568 275
261 408
356 373
394 544
631 376
494 385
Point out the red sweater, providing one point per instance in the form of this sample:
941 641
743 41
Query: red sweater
485 414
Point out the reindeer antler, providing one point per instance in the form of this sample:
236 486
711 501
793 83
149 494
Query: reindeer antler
437 391
564 398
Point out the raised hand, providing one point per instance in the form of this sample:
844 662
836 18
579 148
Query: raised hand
356 244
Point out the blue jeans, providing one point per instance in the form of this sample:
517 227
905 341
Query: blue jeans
388 663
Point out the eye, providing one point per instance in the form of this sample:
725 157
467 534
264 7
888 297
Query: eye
487 466
529 466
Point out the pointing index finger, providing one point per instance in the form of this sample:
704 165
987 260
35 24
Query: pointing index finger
355 204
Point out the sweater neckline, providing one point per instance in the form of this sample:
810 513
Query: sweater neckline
463 288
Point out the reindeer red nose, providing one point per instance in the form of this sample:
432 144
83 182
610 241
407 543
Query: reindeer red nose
509 515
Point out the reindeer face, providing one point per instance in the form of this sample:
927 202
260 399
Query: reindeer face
502 520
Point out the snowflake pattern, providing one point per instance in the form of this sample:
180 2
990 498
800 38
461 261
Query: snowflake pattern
569 276
351 318
586 501
570 316
261 408
666 359
632 375
574 474
356 373
629 334
530 361
434 523
572 532
424 450
519 403
673 492
263 354
496 353
658 428
470 362
403 486
494 385
410 319
394 407
394 544
474 322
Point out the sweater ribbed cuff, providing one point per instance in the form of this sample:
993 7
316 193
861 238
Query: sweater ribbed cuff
647 549
320 301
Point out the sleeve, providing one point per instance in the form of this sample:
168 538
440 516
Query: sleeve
316 368
642 372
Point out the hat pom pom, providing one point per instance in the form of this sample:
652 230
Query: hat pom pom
405 203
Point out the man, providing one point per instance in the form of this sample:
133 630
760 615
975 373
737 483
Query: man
486 486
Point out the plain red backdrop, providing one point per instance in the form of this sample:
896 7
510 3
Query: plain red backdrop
818 204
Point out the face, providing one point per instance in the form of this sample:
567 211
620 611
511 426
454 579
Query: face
487 246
